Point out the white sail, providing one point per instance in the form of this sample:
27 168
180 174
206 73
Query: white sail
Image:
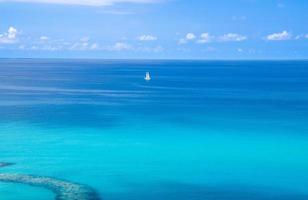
147 76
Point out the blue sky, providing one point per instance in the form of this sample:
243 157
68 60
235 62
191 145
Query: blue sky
166 29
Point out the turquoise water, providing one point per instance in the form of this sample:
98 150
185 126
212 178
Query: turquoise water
10 191
213 130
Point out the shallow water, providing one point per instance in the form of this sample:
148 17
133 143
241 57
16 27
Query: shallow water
11 191
197 130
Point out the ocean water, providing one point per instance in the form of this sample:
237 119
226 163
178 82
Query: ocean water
215 130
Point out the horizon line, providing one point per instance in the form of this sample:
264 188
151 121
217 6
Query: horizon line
158 59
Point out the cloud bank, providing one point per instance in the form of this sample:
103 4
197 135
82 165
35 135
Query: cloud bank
204 38
147 38
9 37
83 2
284 35
232 37
207 38
190 36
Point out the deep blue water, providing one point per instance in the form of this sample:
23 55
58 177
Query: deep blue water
214 130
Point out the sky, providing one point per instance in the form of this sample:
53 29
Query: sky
154 29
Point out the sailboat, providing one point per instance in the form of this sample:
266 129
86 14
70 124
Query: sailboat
147 76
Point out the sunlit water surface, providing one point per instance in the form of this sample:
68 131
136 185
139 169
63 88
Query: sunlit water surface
216 130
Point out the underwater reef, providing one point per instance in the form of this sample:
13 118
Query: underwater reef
63 190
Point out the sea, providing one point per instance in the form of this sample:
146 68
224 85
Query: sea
198 130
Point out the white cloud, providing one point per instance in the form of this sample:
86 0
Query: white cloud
50 48
190 36
83 2
298 37
120 46
147 38
301 36
204 38
207 37
284 35
83 44
9 37
12 32
232 37
80 46
44 38
94 46
85 39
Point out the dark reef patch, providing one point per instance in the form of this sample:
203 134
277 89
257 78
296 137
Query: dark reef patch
5 164
63 190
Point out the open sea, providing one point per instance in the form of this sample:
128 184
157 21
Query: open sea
198 130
